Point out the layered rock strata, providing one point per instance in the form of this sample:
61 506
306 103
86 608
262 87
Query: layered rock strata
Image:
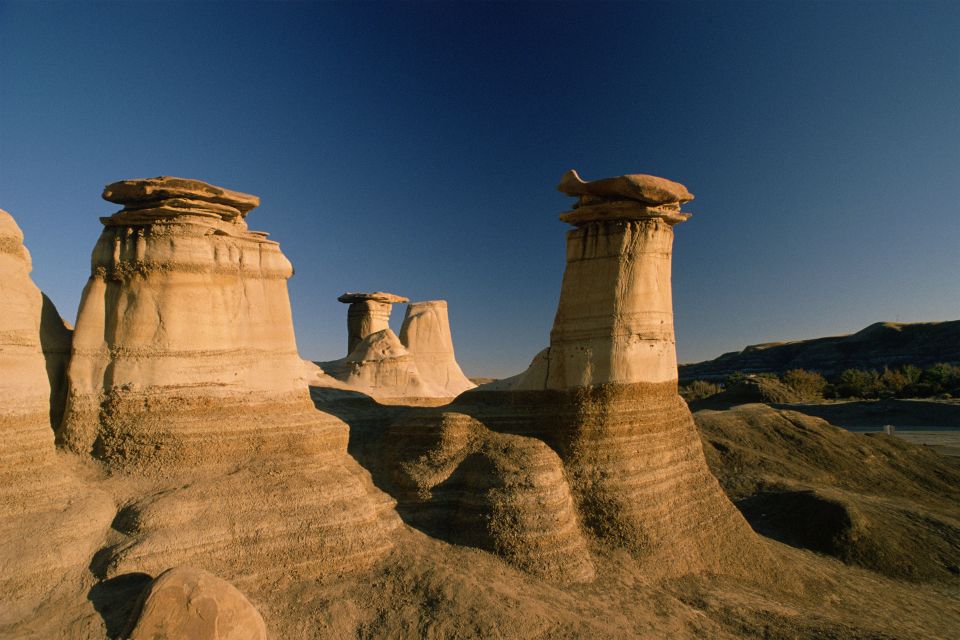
604 394
50 523
507 494
368 313
184 370
426 334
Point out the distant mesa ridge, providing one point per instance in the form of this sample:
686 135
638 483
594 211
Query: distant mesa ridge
882 344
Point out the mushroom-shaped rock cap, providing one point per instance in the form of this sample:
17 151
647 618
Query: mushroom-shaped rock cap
376 296
650 190
140 192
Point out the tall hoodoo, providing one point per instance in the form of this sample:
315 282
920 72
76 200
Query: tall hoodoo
604 393
185 362
614 322
426 334
367 314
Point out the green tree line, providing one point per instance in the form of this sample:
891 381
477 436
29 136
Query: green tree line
939 380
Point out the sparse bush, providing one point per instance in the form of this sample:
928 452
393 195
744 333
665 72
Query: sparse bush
893 382
698 390
809 385
944 378
857 383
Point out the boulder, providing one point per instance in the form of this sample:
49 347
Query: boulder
184 603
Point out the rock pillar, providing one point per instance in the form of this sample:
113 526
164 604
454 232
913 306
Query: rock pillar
185 373
426 334
603 395
367 314
614 321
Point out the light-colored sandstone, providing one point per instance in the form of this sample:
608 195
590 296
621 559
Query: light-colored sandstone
426 334
614 322
419 365
368 313
185 371
604 394
50 523
189 604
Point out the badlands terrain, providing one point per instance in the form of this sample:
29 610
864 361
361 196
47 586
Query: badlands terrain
173 469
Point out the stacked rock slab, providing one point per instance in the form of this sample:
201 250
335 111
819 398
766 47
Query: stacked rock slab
184 370
368 313
50 524
426 334
604 394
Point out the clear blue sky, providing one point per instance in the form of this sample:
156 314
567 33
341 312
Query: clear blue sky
415 148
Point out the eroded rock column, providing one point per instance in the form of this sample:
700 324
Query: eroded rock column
426 334
185 373
604 396
368 313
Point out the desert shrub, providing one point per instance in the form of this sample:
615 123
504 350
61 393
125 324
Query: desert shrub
858 383
698 390
809 385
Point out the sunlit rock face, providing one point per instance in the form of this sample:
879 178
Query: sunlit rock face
367 314
183 301
426 334
50 523
187 603
604 394
185 365
418 365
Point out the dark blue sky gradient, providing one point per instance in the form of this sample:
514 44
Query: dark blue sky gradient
415 148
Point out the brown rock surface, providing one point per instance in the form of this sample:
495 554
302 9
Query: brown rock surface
637 186
50 521
188 604
871 500
142 193
502 493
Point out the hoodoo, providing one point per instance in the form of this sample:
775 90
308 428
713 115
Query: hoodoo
426 334
604 394
184 365
368 313
50 523
419 364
